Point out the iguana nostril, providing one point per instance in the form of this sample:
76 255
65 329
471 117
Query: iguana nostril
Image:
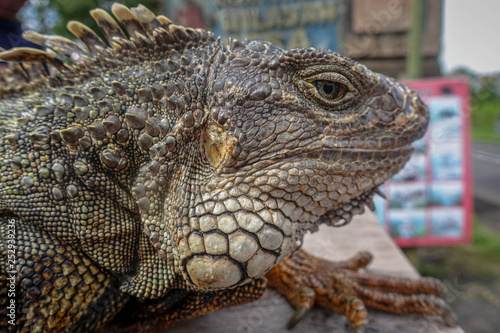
410 110
416 107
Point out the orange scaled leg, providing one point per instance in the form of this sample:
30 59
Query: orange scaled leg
306 280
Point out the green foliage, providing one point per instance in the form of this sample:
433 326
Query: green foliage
479 260
487 243
485 104
486 115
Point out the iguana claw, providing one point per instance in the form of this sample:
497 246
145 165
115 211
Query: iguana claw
306 280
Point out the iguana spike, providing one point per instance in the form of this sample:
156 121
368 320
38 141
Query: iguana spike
143 13
144 40
108 25
179 31
58 43
128 19
35 70
94 43
19 69
147 17
27 54
144 35
379 192
164 21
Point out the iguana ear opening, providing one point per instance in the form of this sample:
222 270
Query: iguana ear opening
214 144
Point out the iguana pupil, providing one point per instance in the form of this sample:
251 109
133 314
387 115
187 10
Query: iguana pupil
329 89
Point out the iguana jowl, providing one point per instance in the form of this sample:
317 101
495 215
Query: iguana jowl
159 175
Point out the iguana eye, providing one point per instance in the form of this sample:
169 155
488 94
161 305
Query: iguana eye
330 89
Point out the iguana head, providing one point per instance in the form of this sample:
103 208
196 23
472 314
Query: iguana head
291 139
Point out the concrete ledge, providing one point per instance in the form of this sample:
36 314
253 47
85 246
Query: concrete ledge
271 312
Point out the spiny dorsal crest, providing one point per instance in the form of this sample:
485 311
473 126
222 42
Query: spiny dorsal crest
149 37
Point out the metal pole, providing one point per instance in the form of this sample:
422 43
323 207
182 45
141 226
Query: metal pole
415 38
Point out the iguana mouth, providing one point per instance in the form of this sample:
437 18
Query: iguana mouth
333 155
355 156
402 149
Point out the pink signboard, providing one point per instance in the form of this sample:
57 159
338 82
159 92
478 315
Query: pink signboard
430 200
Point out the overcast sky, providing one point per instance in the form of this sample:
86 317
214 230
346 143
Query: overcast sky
472 35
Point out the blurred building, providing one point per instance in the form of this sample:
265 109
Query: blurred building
375 32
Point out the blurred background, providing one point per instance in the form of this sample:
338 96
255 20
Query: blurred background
444 207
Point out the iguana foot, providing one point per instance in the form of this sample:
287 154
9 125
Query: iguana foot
306 280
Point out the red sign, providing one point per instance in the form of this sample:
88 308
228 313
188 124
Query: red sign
430 200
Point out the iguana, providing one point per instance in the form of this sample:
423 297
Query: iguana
159 174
